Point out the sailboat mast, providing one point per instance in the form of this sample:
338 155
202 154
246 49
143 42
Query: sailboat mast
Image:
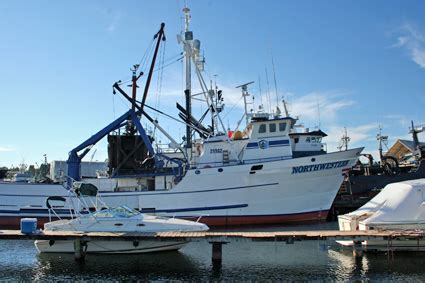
188 37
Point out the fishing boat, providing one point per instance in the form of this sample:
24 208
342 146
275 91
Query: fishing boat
399 206
120 219
403 161
263 174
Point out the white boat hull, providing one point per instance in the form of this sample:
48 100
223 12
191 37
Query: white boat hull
289 190
110 247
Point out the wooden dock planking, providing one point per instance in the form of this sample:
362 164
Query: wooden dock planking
299 235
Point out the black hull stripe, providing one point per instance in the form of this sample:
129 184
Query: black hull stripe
105 193
45 210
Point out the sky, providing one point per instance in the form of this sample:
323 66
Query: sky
358 65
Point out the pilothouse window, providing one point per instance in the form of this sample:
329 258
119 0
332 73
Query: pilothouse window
272 128
282 127
262 129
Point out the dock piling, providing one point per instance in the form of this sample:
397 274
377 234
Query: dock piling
357 249
217 253
79 251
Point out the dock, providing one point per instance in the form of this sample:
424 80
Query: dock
218 239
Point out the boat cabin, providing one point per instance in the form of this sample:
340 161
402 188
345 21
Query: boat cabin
269 140
262 140
308 143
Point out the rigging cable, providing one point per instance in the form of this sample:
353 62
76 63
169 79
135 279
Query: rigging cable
170 63
146 55
234 105
172 118
159 79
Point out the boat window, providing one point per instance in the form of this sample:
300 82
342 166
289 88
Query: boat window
296 140
262 128
272 128
313 139
282 127
319 139
307 139
122 211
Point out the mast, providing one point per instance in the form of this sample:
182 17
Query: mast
130 127
245 94
344 141
415 130
188 37
381 139
159 36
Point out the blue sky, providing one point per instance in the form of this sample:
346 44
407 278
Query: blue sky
354 64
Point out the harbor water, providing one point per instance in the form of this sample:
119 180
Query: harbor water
242 261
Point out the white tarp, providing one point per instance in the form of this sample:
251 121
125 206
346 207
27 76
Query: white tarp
402 202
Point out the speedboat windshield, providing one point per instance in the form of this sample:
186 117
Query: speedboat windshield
121 211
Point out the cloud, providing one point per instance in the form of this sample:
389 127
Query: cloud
115 18
413 40
6 149
402 120
308 107
313 106
359 135
112 17
418 55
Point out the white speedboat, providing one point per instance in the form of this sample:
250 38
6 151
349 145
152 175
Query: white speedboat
398 207
119 219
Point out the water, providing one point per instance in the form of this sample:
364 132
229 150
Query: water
242 261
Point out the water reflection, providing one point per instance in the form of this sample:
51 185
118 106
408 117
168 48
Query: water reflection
242 261
119 267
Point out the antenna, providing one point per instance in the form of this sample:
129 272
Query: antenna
318 113
275 84
268 92
261 94
245 93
